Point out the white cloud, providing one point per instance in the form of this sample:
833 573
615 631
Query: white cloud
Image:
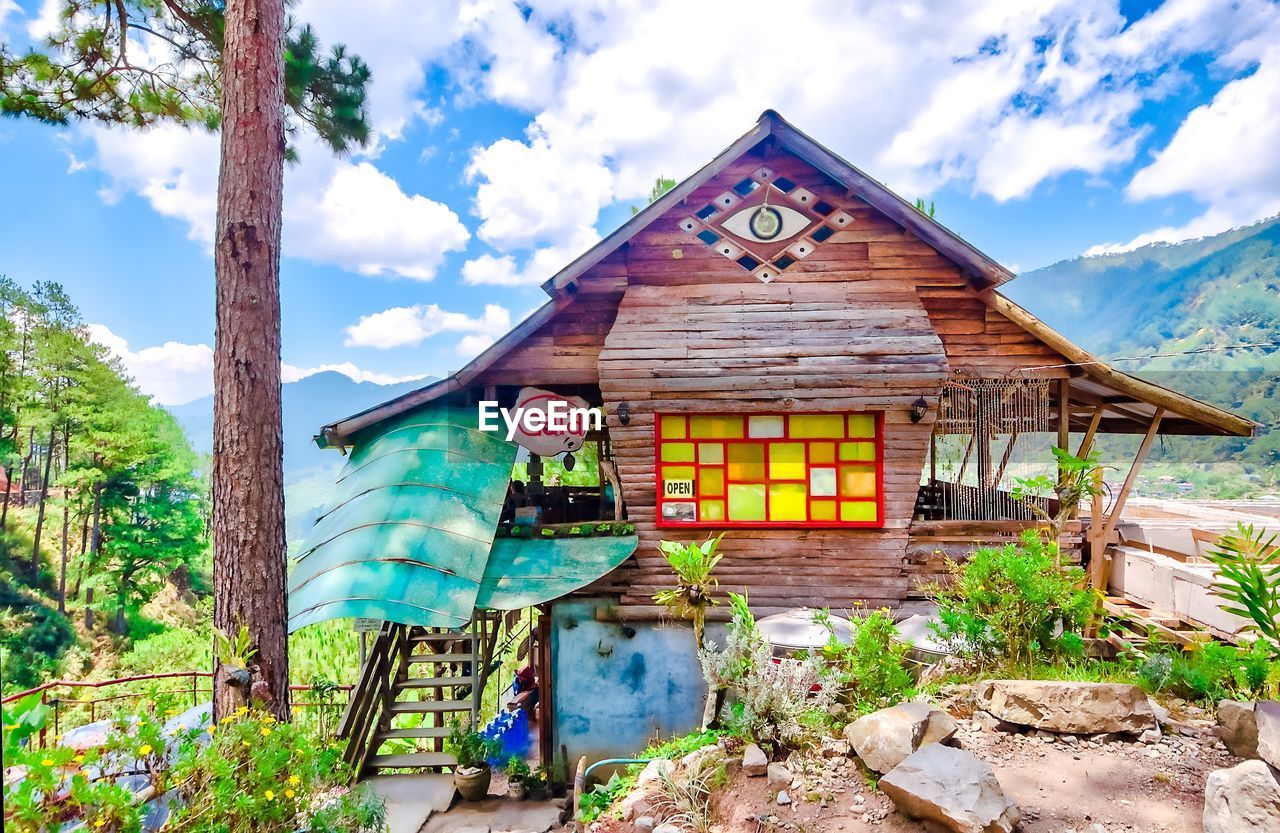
996 97
336 211
172 374
293 373
491 270
406 326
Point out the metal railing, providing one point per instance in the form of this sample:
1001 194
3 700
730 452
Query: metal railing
72 710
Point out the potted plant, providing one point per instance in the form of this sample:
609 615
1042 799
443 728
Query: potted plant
517 778
473 752
536 782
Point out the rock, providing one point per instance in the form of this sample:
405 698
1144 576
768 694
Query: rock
779 775
654 770
882 739
698 759
1150 736
1242 799
1266 716
1160 712
952 788
835 748
1239 728
668 827
635 805
644 824
754 762
984 720
1070 707
783 798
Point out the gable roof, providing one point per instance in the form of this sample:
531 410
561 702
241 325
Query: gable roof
983 273
981 270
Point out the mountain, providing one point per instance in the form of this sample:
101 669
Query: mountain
1182 315
308 403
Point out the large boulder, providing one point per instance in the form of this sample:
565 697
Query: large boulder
1266 715
883 739
1238 727
951 788
1068 707
1242 799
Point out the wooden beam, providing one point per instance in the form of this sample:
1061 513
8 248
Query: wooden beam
1086 443
1132 477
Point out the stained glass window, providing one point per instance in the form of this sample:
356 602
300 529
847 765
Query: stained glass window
786 470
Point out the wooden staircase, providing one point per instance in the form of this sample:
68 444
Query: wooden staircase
414 685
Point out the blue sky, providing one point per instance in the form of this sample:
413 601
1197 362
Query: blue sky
509 138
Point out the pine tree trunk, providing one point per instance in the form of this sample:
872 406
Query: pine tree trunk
44 496
62 579
248 481
8 487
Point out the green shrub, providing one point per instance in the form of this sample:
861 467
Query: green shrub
1013 605
1209 672
33 639
1248 563
175 649
870 670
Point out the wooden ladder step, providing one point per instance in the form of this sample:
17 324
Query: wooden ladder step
413 759
434 682
430 706
416 732
459 658
440 637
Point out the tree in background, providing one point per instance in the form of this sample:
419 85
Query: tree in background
233 66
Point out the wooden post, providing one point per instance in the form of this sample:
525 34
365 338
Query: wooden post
1095 546
1064 419
1086 444
1132 477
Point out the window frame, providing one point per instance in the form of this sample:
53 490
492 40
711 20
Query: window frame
877 440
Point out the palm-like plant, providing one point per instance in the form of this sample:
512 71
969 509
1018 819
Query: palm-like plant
1248 563
693 565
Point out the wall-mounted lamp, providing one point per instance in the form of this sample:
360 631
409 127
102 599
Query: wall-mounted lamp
624 413
918 409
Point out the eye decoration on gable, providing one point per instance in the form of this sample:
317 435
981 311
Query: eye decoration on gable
750 225
766 223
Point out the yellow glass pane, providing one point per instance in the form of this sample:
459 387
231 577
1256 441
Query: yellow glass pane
677 452
746 502
787 502
822 482
711 510
678 472
862 425
786 461
822 453
764 426
715 427
822 510
857 451
805 426
711 454
711 482
854 511
746 462
857 481
673 428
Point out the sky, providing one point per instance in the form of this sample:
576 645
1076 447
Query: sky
508 138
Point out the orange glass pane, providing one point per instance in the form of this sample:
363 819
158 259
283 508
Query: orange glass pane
746 462
715 427
677 452
858 481
857 511
822 452
673 428
822 510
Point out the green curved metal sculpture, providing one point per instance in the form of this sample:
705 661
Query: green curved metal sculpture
409 536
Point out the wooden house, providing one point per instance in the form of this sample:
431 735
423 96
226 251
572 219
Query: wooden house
785 351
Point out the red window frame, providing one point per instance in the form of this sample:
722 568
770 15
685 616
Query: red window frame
809 523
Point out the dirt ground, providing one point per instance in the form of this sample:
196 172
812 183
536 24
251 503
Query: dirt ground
1060 783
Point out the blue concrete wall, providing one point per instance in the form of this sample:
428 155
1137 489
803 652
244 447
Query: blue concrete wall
613 693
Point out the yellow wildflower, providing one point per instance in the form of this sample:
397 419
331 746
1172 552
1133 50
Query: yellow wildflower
210 729
99 823
242 710
288 793
58 738
295 780
244 743
144 749
46 762
270 795
266 730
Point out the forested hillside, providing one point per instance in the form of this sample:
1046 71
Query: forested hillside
1205 317
102 494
